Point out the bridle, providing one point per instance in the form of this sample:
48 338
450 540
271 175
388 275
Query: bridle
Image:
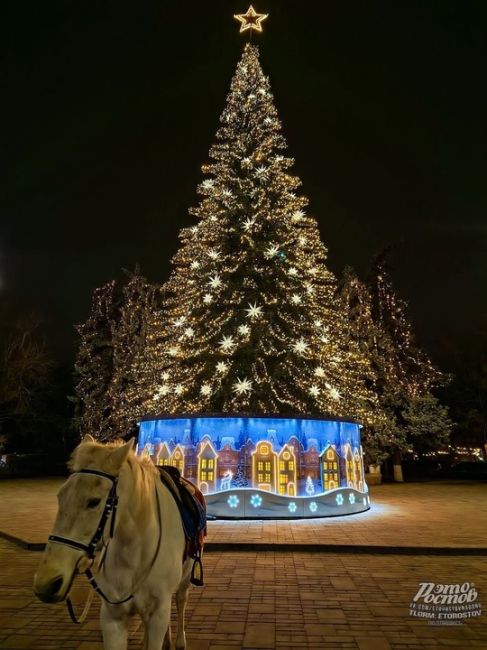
111 505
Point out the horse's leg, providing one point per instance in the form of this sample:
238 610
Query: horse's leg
167 644
157 627
114 628
181 600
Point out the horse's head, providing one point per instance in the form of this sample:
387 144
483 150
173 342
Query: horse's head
81 502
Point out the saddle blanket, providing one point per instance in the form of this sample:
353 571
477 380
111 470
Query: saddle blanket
192 508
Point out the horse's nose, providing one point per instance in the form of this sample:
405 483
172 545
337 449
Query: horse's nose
49 593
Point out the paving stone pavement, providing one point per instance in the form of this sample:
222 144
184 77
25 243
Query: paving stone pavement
262 600
436 514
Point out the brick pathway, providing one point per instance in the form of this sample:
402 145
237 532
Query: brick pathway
448 514
268 600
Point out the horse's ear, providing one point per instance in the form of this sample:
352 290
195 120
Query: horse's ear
120 454
87 438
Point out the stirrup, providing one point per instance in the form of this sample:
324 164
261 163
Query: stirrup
197 572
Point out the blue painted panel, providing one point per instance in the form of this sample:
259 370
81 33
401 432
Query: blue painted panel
241 435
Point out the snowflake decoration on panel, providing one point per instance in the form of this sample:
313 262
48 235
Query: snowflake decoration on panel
292 507
351 498
256 500
233 501
313 506
339 499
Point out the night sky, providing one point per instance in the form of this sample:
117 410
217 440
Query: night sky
110 109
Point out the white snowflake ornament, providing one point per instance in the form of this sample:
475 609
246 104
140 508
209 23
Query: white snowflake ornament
271 251
314 391
301 347
254 311
242 386
215 281
227 343
221 367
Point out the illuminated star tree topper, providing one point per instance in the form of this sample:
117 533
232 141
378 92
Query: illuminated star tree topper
251 20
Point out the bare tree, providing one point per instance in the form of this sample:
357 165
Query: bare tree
24 367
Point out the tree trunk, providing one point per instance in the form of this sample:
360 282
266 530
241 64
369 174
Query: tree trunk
397 465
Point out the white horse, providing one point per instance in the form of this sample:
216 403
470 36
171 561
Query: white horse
144 557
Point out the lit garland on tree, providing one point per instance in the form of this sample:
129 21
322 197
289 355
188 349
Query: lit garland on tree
251 319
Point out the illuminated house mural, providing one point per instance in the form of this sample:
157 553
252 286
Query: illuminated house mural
330 469
207 466
272 454
264 475
287 471
359 469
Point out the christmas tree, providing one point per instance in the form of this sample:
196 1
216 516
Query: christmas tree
400 373
110 373
94 365
251 318
406 362
310 488
137 308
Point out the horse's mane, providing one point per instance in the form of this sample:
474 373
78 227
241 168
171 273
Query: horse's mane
96 455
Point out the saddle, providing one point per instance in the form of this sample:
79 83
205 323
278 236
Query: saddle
192 509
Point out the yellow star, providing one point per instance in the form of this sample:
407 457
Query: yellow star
251 20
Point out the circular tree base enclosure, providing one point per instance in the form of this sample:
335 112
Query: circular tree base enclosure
263 466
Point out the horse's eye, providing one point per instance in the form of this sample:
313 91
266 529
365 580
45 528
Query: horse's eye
92 503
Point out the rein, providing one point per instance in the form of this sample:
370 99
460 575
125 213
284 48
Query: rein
89 549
